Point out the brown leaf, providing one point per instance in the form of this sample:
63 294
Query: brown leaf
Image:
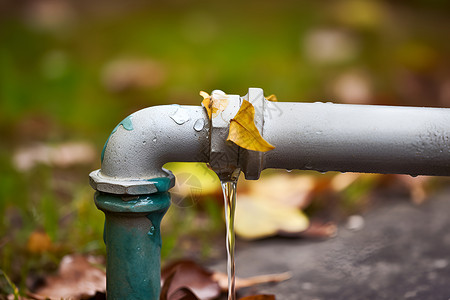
62 155
320 230
77 278
416 187
180 294
183 294
186 274
222 280
259 297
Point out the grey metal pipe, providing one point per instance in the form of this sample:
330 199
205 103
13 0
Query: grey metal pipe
147 139
358 138
314 136
159 134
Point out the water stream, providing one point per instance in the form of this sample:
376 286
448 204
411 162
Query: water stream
229 195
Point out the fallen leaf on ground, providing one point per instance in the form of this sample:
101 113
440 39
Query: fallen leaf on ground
39 242
193 179
77 278
256 218
416 187
222 280
320 230
61 155
259 297
284 189
183 294
186 274
243 131
185 277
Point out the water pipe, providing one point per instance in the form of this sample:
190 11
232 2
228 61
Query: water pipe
132 187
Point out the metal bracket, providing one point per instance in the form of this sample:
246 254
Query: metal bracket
223 155
252 162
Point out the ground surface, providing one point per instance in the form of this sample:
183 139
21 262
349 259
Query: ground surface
402 252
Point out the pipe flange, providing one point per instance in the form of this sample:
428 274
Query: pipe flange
131 187
252 162
223 154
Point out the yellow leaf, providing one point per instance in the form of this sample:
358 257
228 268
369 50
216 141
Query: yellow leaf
219 103
206 103
215 103
272 98
193 179
39 242
292 191
257 218
243 131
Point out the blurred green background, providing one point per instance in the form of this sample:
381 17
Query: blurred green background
71 70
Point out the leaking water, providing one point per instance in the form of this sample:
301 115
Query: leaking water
229 195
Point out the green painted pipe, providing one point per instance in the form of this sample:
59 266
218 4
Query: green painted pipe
133 244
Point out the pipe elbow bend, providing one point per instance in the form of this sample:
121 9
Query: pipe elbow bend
143 142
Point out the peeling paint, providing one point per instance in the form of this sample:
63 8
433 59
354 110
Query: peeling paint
162 184
126 123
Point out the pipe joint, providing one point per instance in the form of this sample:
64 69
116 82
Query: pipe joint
227 157
143 142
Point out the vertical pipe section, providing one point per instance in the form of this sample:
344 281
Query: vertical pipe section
358 138
133 244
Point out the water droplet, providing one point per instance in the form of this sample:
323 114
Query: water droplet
144 142
154 139
289 170
413 175
198 126
308 167
181 116
319 132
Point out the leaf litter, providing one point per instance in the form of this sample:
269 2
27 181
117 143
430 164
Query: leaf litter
183 279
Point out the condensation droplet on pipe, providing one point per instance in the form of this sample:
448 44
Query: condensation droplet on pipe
181 116
199 124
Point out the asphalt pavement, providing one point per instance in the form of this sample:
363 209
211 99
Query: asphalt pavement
401 252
